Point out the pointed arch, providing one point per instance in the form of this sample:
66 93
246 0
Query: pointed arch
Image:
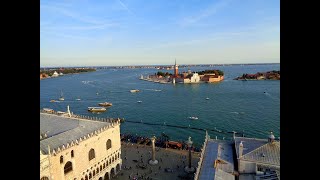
109 144
68 167
91 154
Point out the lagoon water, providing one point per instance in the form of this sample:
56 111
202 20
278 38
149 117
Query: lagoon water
251 107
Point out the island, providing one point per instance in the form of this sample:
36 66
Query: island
54 72
269 75
208 76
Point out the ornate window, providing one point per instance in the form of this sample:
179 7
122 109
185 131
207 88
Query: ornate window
91 154
93 173
90 175
118 155
68 167
86 178
61 159
108 144
72 154
44 178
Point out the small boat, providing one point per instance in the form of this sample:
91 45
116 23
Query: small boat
97 109
105 104
52 100
61 112
48 110
139 101
207 98
61 97
78 99
193 117
134 90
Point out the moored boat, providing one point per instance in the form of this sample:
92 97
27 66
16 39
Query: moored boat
97 109
105 104
134 90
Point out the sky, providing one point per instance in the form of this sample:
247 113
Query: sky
149 32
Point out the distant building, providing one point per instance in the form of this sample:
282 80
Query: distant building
212 78
55 74
43 75
195 78
82 149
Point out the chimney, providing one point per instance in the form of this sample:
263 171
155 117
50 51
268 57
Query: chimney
271 138
240 149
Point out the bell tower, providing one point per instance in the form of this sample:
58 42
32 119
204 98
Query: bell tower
175 68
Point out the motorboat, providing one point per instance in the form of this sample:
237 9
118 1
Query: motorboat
78 99
52 100
48 110
105 104
139 101
134 90
207 98
61 97
97 109
193 117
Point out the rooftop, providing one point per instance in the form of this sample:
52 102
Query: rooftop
62 130
259 150
222 152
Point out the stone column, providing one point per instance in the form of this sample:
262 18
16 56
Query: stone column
189 168
153 161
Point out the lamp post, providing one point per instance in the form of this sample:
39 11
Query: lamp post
189 168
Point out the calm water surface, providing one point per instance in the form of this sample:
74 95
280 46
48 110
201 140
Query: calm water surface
252 107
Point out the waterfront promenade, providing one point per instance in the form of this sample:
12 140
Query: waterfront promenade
171 164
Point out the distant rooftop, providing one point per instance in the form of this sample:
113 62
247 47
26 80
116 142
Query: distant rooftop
62 130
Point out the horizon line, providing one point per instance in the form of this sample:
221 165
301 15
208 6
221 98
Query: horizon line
158 65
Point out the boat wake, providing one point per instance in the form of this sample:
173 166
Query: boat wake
153 89
235 112
272 97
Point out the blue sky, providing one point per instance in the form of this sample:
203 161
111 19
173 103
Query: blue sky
146 32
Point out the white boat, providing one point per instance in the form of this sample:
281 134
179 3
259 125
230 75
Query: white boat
78 99
193 117
207 98
61 112
48 110
105 104
134 90
61 97
139 101
97 109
